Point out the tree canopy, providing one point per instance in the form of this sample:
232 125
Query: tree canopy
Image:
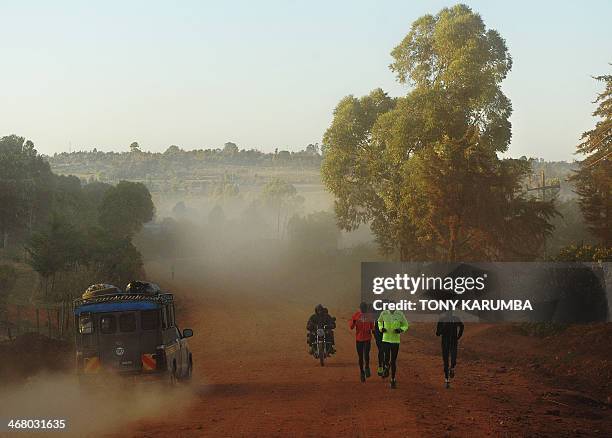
313 234
281 197
423 169
25 187
125 208
594 178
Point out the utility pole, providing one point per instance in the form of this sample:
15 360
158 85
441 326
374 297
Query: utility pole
543 188
554 187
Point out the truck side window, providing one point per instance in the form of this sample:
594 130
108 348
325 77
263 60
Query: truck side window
149 319
127 322
107 324
171 315
164 312
85 324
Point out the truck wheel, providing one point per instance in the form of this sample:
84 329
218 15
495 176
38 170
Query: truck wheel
171 380
189 370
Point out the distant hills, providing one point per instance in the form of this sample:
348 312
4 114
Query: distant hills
196 170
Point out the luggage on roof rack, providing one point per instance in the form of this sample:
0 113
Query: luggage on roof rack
142 287
100 289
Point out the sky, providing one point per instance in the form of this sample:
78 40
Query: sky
265 74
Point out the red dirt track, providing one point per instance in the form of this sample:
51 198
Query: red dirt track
254 378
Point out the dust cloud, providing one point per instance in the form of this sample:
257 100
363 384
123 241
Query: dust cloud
250 247
90 410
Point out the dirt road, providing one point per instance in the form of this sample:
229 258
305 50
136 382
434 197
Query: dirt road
254 378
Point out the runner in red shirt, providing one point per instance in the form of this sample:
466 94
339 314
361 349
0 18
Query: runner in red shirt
363 324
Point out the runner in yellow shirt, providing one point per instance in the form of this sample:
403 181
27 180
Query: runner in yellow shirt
392 324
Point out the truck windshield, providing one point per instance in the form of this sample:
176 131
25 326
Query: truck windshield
127 322
149 319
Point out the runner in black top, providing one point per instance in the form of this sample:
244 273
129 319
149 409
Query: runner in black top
450 329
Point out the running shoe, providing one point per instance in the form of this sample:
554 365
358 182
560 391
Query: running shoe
363 376
379 371
447 383
368 373
393 383
385 373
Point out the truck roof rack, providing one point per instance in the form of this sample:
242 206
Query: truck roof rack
160 298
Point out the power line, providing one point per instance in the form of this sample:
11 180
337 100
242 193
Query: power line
598 160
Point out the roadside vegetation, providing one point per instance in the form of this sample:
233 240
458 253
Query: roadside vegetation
70 233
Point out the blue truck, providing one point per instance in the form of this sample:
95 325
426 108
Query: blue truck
130 332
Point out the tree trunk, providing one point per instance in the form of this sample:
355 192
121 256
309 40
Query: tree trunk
452 252
18 319
7 322
53 284
607 238
284 227
453 231
49 321
403 252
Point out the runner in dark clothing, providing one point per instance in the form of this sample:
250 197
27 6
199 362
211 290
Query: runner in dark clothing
380 347
382 351
450 329
363 324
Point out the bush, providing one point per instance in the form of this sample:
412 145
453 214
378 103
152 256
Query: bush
8 277
542 329
584 253
315 234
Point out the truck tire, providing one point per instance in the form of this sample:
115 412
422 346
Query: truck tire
171 378
189 370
